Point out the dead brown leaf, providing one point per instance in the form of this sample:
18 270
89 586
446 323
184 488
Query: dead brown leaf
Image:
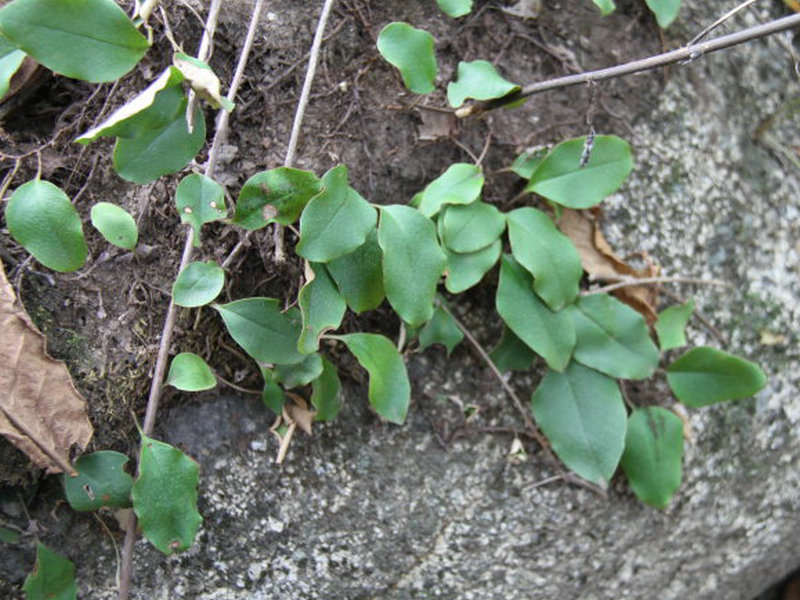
601 263
41 413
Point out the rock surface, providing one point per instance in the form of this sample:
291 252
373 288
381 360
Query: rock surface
364 510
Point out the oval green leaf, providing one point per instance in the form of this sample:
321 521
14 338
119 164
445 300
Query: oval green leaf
115 225
461 183
705 376
101 481
583 415
441 329
359 275
470 228
560 177
198 284
273 396
41 218
10 61
325 393
478 80
525 164
157 152
410 50
547 254
665 11
613 338
550 334
511 353
153 108
165 496
671 325
466 270
265 333
389 389
199 200
52 578
413 262
653 455
190 373
322 308
299 374
606 6
93 40
455 8
336 221
278 195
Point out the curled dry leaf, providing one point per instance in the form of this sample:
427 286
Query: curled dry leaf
41 413
601 263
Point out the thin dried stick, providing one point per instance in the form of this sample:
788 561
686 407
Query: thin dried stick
629 281
687 53
720 21
126 570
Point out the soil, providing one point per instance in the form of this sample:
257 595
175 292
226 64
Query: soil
105 321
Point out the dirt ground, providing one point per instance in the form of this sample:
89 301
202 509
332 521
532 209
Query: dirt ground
105 320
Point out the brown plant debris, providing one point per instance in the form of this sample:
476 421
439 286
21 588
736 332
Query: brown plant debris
41 413
602 264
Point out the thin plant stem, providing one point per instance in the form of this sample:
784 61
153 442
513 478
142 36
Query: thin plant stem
685 54
633 281
156 384
291 150
721 20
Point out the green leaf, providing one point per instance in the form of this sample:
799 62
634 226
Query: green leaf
441 329
511 353
653 455
165 496
154 108
41 218
115 225
322 308
198 284
613 338
202 79
299 374
325 393
157 152
190 373
93 40
466 270
470 228
413 262
10 61
410 50
272 396
665 11
671 325
525 164
606 6
336 221
9 536
52 578
461 183
278 195
478 80
359 275
101 481
547 254
583 415
705 376
265 333
455 8
561 178
550 334
199 200
389 389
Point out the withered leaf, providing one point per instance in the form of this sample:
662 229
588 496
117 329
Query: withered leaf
602 264
41 413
